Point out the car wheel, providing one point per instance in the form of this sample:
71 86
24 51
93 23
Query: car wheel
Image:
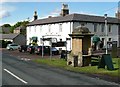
23 50
37 53
11 48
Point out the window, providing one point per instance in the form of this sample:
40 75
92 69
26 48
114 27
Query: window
29 29
103 39
35 28
95 27
109 28
60 40
60 27
40 28
110 39
49 28
102 27
41 41
82 24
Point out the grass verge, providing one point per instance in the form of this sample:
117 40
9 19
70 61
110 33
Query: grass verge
60 63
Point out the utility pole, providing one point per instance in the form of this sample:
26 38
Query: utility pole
106 51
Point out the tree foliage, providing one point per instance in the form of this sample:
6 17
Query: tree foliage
18 24
6 25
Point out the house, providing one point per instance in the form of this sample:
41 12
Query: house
20 30
57 29
5 30
14 38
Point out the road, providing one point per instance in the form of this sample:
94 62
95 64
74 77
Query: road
20 72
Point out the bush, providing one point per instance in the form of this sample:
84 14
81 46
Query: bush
3 43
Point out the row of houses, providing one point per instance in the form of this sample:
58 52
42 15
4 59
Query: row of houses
58 28
14 38
18 36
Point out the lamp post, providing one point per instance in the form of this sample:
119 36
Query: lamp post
42 46
50 48
106 51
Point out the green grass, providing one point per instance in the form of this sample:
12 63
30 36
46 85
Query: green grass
87 69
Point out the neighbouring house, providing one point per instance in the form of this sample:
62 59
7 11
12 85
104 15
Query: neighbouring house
58 28
20 30
5 30
14 38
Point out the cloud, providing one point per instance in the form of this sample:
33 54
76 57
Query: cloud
55 12
5 10
4 14
11 23
86 13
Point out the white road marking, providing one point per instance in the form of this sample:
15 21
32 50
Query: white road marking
15 76
25 59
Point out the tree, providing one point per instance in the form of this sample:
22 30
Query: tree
11 29
18 24
6 25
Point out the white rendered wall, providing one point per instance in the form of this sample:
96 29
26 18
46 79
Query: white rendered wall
50 31
67 28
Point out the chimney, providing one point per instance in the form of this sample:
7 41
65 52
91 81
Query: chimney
117 14
64 10
49 16
35 15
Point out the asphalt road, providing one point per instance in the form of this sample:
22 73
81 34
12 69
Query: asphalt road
21 72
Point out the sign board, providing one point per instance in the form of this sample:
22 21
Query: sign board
106 60
54 40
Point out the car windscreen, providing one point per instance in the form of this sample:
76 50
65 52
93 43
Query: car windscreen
14 45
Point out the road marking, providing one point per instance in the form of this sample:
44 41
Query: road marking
15 76
25 59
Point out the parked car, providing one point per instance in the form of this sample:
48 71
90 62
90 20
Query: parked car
54 51
31 49
23 48
46 50
28 48
12 47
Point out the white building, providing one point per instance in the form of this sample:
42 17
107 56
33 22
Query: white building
58 28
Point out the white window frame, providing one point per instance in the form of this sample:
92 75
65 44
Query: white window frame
35 28
109 28
60 27
102 28
49 28
40 28
95 27
29 28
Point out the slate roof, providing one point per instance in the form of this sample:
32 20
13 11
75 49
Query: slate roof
20 27
74 17
8 36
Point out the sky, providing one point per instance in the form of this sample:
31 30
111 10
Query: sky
13 12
